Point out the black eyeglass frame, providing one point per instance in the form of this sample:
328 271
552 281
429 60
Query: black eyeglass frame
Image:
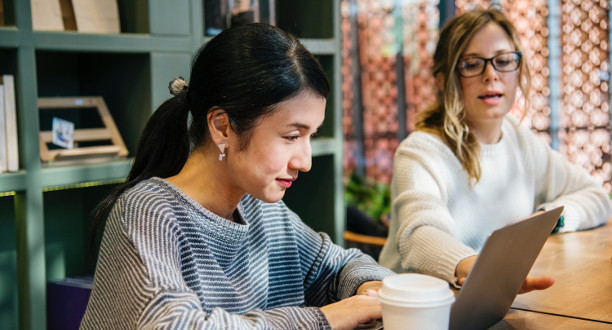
490 59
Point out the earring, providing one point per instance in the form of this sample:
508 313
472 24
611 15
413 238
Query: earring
222 148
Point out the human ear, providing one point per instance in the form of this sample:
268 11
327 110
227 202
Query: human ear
440 81
218 125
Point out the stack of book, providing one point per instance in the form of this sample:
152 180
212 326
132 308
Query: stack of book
66 302
88 16
9 155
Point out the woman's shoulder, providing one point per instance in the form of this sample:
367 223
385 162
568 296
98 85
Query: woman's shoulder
154 200
424 145
423 140
157 203
152 191
520 134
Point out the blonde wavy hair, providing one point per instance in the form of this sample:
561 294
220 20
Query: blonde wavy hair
446 117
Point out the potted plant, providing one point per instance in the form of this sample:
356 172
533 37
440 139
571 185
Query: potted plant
368 205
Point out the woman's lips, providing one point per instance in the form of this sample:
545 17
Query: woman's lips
285 182
491 99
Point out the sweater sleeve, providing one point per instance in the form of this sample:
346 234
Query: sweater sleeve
561 183
331 272
139 284
422 224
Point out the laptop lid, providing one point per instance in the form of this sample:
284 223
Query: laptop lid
500 270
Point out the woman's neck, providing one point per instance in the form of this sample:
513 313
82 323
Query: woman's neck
203 180
487 133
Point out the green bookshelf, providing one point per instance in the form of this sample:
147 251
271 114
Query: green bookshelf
44 208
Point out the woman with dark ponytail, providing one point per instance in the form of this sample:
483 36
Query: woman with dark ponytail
198 236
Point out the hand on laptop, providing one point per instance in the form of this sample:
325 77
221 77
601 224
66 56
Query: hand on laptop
536 283
531 283
463 268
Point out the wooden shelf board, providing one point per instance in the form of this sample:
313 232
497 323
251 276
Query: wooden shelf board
9 37
123 43
12 181
66 176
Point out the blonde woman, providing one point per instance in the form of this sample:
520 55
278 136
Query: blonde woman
470 167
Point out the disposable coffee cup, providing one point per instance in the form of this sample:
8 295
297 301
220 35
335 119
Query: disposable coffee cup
415 301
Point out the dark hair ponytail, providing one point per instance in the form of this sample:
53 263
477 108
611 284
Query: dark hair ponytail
162 151
245 71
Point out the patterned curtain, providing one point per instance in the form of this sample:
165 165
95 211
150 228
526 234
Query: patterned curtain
386 77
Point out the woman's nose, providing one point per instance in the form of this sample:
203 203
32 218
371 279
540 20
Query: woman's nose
302 159
490 73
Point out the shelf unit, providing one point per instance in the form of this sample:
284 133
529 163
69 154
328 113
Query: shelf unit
44 209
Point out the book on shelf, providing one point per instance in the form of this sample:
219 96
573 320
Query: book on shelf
68 15
66 302
96 16
3 153
10 122
2 13
46 15
223 14
88 16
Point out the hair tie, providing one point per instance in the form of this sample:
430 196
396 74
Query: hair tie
177 86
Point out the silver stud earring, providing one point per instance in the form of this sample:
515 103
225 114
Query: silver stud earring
222 148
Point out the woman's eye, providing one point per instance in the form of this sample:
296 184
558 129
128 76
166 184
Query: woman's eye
313 135
504 63
292 137
473 64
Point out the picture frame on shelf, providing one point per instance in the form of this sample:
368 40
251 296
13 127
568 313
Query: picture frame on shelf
90 144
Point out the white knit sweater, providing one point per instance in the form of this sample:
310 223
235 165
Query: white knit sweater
437 219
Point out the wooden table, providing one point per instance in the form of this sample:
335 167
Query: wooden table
581 264
518 319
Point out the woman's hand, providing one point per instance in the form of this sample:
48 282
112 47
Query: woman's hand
371 285
531 283
364 307
463 268
536 283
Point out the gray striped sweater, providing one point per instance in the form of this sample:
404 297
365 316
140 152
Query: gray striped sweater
166 262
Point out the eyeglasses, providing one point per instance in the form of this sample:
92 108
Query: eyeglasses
475 66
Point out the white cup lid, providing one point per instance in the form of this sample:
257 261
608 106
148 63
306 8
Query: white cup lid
416 290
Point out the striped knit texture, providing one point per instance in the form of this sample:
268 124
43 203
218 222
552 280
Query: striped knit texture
166 262
437 219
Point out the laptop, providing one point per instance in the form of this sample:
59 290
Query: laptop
498 273
500 270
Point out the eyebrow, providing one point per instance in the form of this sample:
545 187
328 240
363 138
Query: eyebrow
303 126
497 52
